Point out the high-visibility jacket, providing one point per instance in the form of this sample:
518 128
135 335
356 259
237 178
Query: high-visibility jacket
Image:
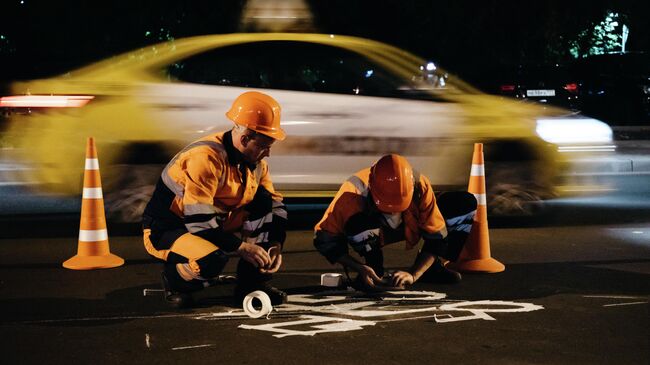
204 184
421 218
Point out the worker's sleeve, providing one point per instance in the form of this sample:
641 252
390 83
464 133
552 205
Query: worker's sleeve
431 222
278 225
330 245
202 174
329 237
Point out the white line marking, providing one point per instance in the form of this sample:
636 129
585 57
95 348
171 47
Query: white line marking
146 340
146 292
613 305
191 347
610 296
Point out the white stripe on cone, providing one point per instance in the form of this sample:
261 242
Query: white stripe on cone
92 193
92 164
93 235
478 170
481 199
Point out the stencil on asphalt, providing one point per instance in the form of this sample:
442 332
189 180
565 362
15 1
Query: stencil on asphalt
343 311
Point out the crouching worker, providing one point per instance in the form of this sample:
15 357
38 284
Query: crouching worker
390 202
215 199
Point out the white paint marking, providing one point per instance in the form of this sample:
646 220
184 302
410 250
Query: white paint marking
618 304
146 292
610 296
191 347
324 325
146 340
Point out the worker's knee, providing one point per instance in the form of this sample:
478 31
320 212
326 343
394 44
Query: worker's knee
362 232
212 264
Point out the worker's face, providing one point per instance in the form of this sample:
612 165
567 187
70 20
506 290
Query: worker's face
257 147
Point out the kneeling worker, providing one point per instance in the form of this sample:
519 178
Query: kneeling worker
215 199
387 203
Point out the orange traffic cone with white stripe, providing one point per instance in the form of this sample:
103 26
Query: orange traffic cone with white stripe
93 251
475 256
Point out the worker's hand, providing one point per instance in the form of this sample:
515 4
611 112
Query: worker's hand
254 254
275 253
368 276
402 279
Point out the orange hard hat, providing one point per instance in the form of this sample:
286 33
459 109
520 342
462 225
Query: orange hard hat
391 183
259 112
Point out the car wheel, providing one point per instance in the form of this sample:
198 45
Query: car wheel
130 192
514 200
513 192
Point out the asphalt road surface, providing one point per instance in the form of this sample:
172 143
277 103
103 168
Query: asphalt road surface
575 291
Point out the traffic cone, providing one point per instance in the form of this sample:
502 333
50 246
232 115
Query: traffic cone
475 256
93 251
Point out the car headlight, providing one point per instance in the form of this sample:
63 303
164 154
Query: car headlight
579 132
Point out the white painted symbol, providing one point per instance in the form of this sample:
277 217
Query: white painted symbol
481 312
321 324
342 311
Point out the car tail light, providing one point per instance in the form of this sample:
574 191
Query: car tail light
507 87
571 87
45 101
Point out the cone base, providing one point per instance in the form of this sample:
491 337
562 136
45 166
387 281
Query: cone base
93 262
488 265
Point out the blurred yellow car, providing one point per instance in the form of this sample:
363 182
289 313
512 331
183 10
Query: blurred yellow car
345 101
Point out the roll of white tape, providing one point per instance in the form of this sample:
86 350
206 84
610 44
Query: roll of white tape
331 280
264 299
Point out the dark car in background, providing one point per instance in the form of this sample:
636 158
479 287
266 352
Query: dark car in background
543 83
615 88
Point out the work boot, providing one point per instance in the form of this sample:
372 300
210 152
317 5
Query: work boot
177 289
174 298
439 274
276 295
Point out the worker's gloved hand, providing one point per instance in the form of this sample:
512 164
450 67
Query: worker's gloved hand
368 276
402 278
254 254
275 254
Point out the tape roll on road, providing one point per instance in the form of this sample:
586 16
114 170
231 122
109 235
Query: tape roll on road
250 309
331 280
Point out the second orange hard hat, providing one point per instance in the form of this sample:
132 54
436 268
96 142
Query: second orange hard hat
259 112
391 183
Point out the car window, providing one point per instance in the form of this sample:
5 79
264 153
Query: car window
298 66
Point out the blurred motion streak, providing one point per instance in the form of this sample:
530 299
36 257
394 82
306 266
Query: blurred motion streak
346 101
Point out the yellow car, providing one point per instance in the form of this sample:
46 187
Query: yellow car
345 101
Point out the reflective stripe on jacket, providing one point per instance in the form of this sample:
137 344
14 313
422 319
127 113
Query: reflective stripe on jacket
208 187
421 219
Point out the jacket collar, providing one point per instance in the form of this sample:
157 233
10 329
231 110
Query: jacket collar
235 158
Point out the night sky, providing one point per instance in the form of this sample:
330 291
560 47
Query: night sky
39 38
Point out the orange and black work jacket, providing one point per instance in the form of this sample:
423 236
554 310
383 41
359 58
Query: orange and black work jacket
204 184
422 219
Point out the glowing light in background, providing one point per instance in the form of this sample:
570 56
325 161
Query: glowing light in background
564 130
45 101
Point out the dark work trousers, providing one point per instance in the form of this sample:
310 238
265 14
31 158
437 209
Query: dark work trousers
190 261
